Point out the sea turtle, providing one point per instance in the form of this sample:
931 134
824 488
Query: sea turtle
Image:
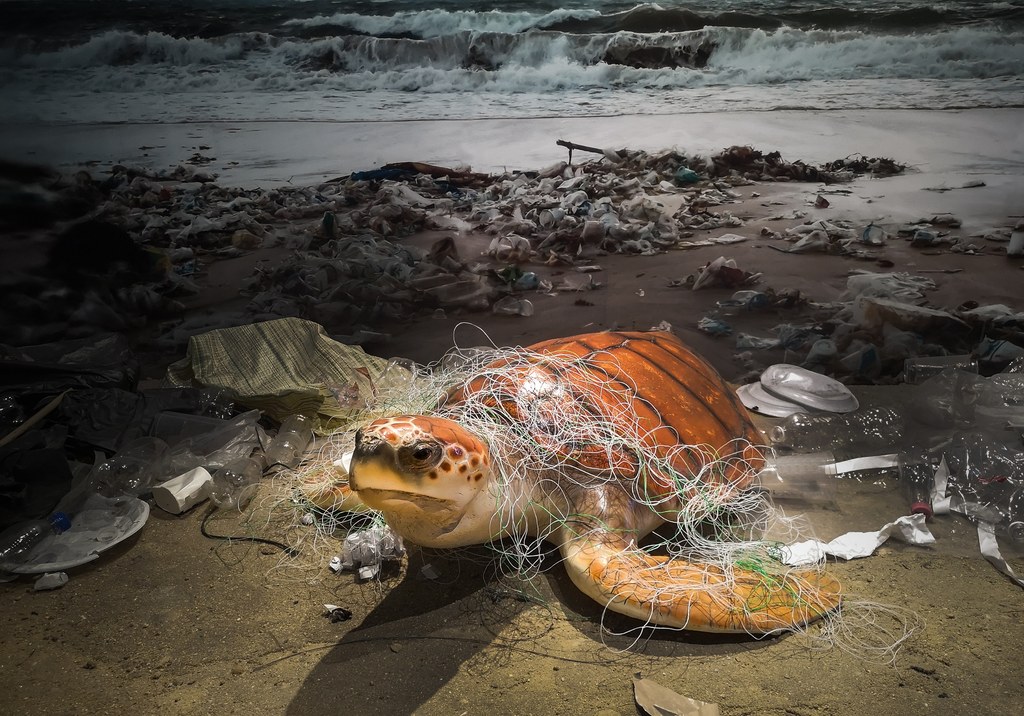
626 431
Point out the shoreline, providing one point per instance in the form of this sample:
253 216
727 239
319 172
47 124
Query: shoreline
986 141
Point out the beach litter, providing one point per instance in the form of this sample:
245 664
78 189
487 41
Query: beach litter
658 700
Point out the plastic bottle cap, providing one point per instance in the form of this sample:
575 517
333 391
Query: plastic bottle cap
1016 531
60 522
921 508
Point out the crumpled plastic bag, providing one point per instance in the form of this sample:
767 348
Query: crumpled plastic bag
365 550
898 286
724 272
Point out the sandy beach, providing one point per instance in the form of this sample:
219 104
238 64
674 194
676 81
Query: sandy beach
171 622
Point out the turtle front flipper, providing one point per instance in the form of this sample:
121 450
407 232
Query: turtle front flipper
696 596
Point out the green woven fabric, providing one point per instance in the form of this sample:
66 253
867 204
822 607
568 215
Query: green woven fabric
283 367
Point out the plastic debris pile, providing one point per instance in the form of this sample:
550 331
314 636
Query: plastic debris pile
127 248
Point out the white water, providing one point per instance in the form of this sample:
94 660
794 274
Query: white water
127 77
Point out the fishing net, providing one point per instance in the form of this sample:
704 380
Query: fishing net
557 431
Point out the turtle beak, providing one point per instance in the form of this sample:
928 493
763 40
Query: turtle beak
374 465
364 450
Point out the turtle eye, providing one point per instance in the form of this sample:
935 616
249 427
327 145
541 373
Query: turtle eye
422 454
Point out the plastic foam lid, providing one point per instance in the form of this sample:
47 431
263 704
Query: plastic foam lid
807 388
756 398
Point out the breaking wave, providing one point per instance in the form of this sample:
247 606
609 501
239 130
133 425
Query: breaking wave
402 57
653 18
530 61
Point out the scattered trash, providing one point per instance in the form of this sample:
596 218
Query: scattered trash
50 581
513 306
234 484
182 493
974 184
656 700
745 341
290 442
685 175
918 369
99 524
1016 245
854 545
364 551
714 326
337 614
873 235
723 272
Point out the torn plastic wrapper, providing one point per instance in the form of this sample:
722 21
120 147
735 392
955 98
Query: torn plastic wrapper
658 700
364 551
853 545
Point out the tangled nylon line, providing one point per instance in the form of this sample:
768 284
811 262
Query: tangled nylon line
556 427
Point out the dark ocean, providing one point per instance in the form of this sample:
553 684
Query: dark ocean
86 61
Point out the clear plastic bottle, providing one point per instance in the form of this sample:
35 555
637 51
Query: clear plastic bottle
1011 521
806 477
987 482
235 483
291 441
916 476
866 430
17 540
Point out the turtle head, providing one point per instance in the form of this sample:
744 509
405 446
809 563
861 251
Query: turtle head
429 476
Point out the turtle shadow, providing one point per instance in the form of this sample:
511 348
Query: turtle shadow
413 642
425 631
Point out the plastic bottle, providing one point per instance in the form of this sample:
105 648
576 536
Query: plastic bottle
866 430
916 476
18 539
133 469
999 503
235 483
291 441
1011 515
807 477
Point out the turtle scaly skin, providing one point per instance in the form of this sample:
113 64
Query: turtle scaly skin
661 418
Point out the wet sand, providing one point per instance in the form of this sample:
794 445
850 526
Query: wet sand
174 623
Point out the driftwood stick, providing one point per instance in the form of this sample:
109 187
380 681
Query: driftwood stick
582 147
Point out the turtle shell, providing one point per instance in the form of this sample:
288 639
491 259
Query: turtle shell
654 391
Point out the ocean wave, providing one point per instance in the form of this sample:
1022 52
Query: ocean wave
481 60
116 47
785 55
436 23
653 18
